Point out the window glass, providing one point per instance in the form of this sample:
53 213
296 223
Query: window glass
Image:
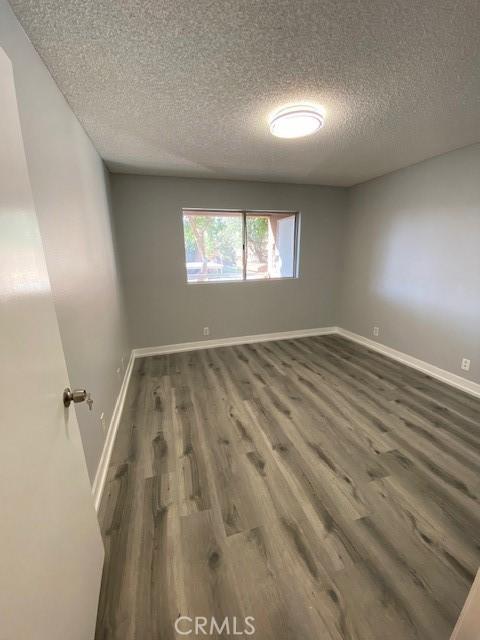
213 246
270 245
239 245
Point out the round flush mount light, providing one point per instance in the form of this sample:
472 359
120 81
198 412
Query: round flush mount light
296 121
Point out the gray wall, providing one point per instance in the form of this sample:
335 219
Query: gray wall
412 260
70 191
164 309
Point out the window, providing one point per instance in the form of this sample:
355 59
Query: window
213 245
222 246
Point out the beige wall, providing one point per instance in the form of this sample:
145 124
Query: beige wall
70 190
164 309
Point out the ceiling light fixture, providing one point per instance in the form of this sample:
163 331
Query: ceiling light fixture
296 121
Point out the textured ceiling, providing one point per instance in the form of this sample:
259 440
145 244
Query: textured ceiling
185 87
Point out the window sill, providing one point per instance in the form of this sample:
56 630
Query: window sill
250 281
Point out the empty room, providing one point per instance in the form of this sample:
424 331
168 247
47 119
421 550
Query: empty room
240 319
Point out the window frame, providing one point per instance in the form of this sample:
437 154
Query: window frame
244 213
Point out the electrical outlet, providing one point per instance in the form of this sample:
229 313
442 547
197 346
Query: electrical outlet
103 422
376 331
465 364
206 331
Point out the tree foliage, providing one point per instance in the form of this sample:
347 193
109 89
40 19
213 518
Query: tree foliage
220 239
257 237
213 238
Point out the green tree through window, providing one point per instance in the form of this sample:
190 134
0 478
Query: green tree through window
234 245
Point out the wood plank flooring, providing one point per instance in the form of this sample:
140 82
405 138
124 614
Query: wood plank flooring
316 486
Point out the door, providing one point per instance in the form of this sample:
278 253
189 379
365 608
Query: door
51 551
468 624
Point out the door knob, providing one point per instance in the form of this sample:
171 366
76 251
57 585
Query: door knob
77 395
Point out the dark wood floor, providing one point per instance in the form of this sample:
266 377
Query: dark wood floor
317 486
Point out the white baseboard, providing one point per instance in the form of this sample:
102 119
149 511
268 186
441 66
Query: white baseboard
452 379
224 342
101 475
